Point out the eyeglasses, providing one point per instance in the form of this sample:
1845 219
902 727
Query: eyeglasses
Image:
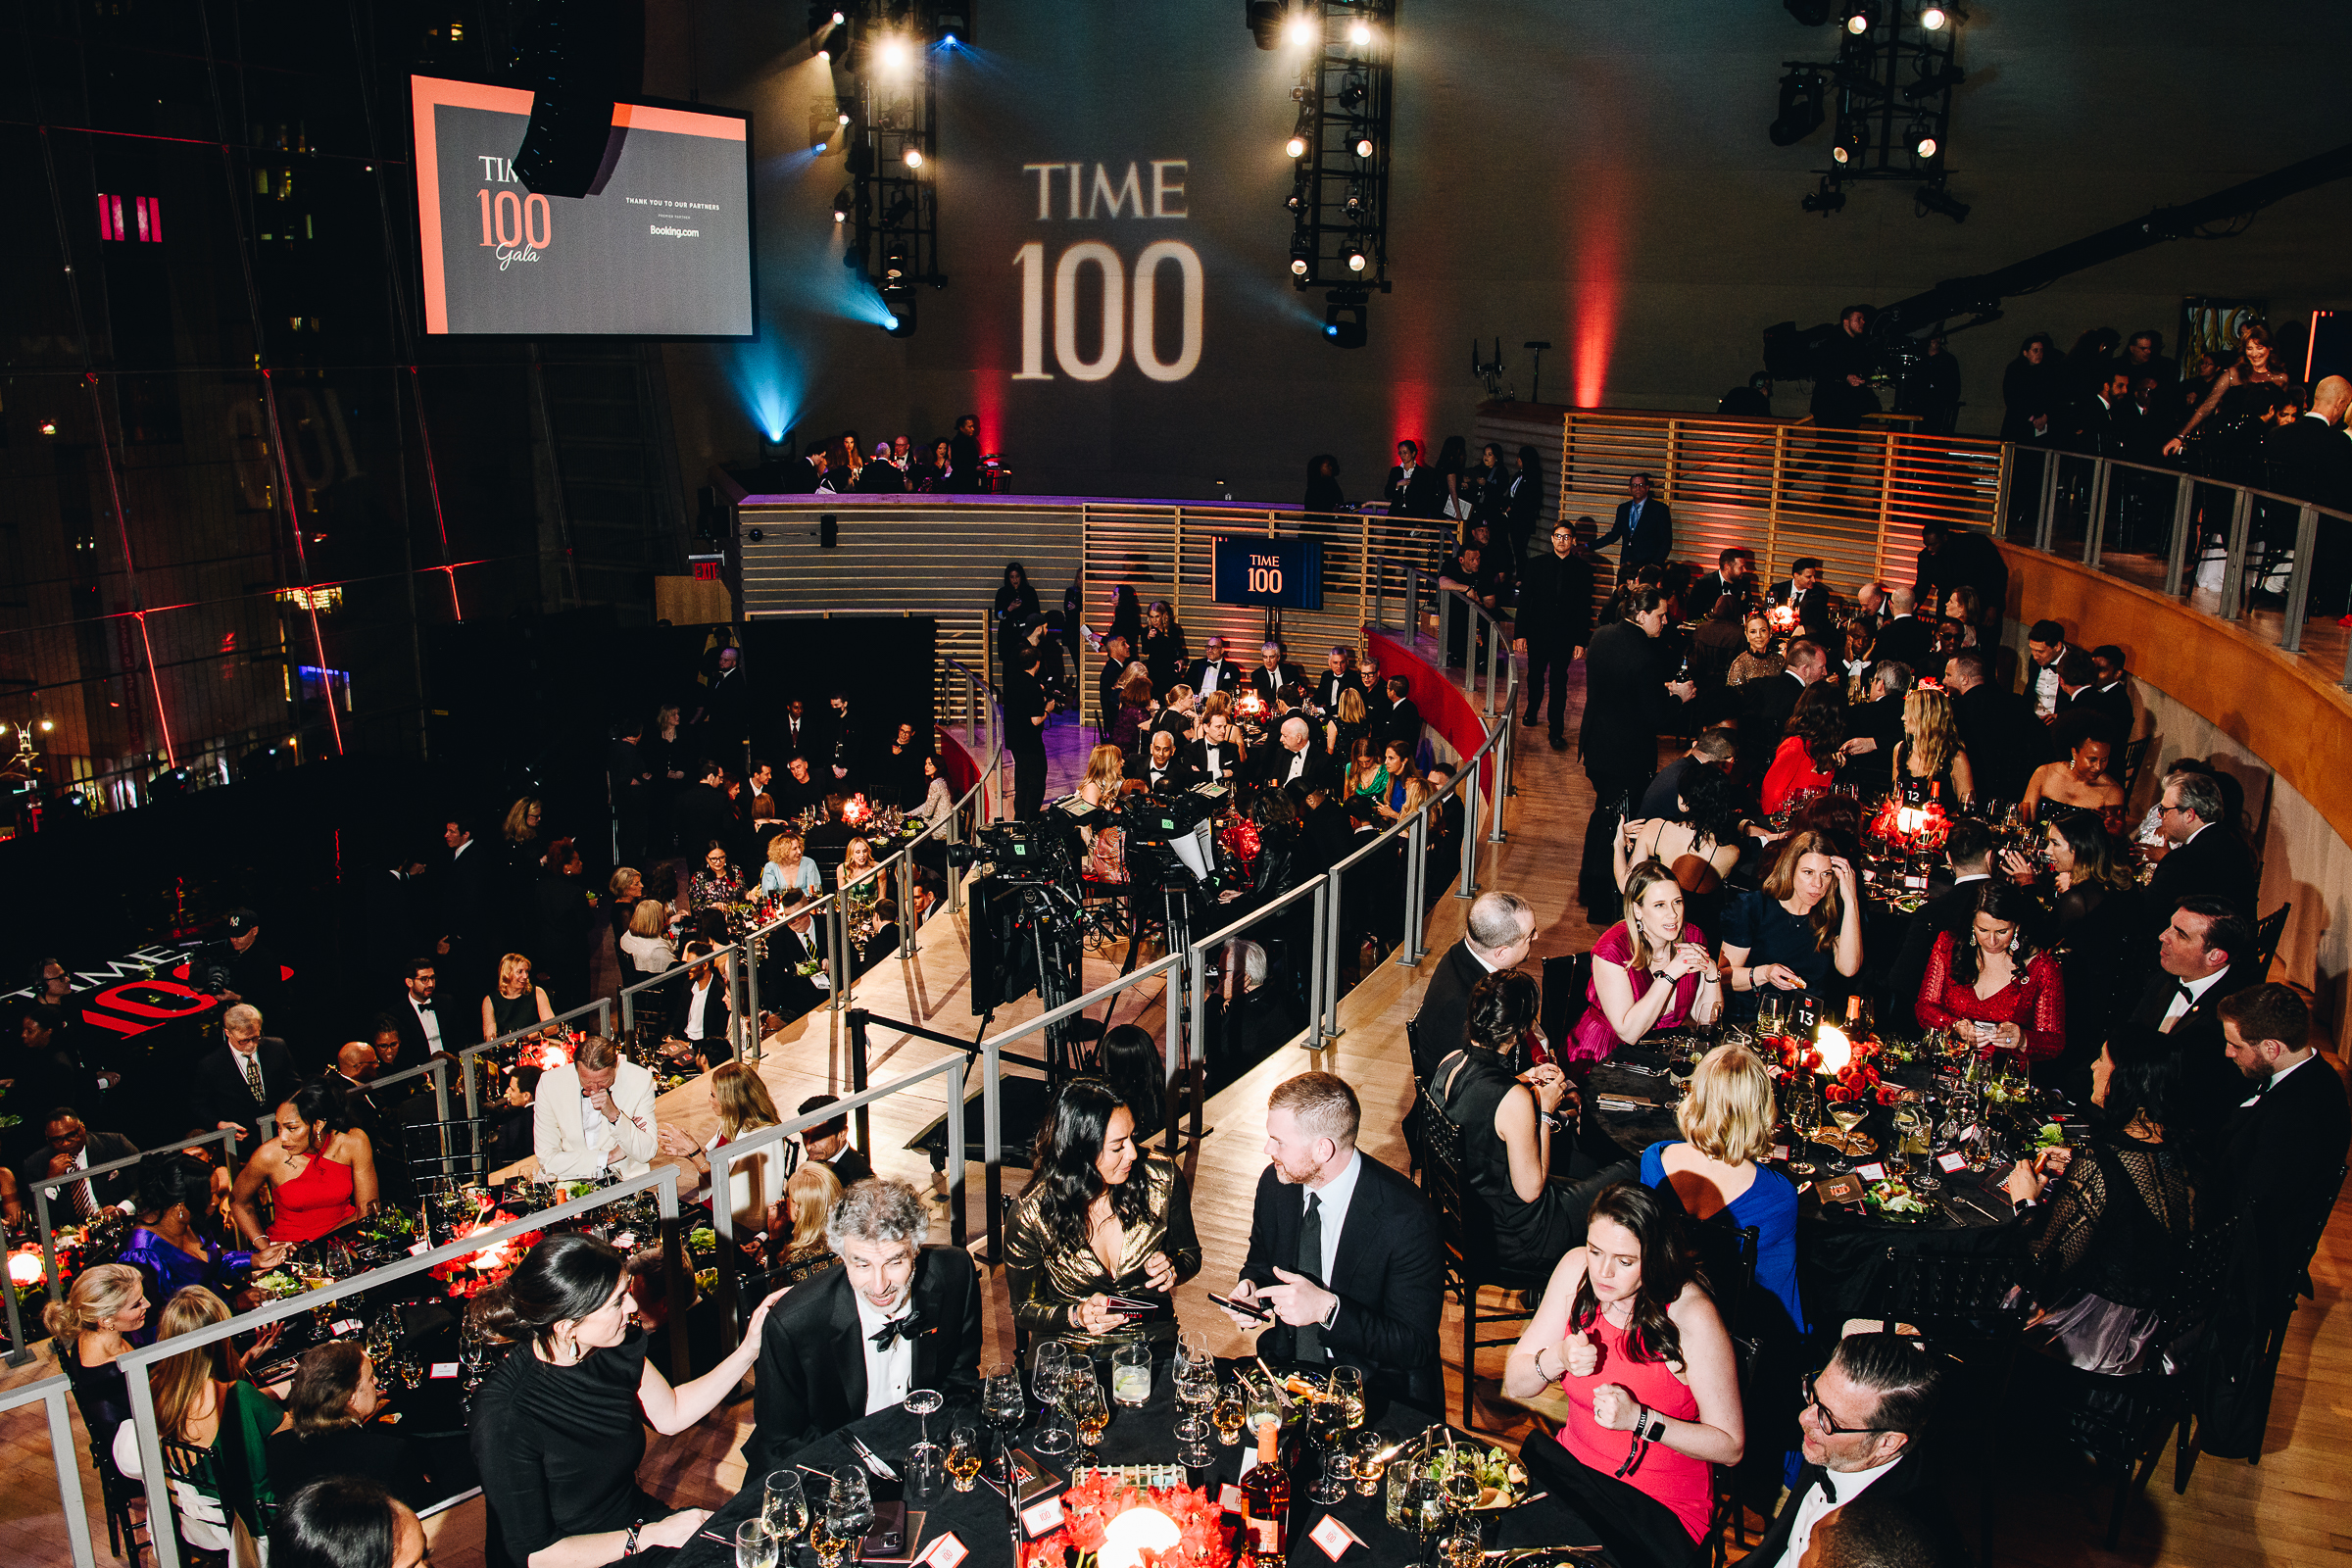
2167 810
1829 1423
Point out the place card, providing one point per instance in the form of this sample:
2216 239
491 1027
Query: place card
1779 1152
1874 1171
1040 1518
1948 1163
1229 1499
348 1325
420 1247
442 1369
1333 1537
944 1552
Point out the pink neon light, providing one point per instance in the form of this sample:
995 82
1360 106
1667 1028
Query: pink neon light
106 228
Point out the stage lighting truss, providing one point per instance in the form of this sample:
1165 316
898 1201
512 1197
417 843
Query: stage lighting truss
1339 148
888 111
1889 95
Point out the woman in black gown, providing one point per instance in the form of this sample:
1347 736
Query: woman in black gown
558 1425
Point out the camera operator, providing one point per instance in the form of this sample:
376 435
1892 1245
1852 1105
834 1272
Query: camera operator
1026 707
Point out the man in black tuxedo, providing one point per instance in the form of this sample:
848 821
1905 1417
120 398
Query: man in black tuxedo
1765 705
67 1146
1968 851
246 1079
1904 637
802 735
896 1316
1117 655
1496 936
1875 727
1413 489
423 1027
798 787
1734 575
1165 770
1217 754
1631 697
1341 1248
1294 757
1400 719
1213 672
703 813
1804 591
1273 672
1952 558
1338 674
1645 524
1860 1437
783 990
829 1142
2005 741
1554 619
2207 858
2203 955
2108 698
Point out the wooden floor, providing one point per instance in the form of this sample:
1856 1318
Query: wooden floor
2282 1512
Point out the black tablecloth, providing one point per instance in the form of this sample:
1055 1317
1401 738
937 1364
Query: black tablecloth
1840 1250
1145 1435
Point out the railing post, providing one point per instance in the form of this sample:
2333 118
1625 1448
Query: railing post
736 1022
2233 569
1329 934
2101 474
1416 867
751 991
992 1146
2184 521
2298 580
1445 625
1890 445
858 1079
2046 524
1197 1052
1772 503
1169 1059
837 956
1502 763
1467 888
19 1351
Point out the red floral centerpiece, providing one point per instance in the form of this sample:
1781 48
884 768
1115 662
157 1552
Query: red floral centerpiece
1107 1522
1912 828
474 1274
1849 1064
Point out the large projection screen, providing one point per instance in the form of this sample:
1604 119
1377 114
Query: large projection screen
663 249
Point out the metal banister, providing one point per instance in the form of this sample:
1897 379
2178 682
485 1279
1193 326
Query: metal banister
51 1394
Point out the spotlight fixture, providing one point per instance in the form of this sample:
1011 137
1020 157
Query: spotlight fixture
1264 20
842 205
1802 112
1363 146
1923 142
1934 19
1346 318
841 117
1357 261
49 427
893 53
1359 32
1296 147
1824 201
1300 29
1808 13
1861 17
1847 149
1351 94
1302 255
914 158
1936 199
1297 269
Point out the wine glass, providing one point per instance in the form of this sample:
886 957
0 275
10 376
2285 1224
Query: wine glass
1003 1406
923 1458
755 1545
1047 1373
1226 1414
963 1458
1326 1426
1088 1410
1913 1127
1772 1013
1848 1114
1368 1466
851 1497
1196 1391
1424 1511
1348 1386
1804 1121
785 1505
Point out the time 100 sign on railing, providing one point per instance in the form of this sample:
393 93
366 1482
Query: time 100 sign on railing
1125 299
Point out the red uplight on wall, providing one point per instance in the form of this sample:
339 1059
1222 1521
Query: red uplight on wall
141 223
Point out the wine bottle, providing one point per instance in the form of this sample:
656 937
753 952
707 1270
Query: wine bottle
1266 1499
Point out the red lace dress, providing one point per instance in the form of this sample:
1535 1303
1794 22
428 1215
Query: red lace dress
2036 1001
313 1204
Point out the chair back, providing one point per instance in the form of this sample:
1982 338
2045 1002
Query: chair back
463 1142
195 1485
1449 1189
1729 1257
2136 756
1564 981
1951 1295
2267 932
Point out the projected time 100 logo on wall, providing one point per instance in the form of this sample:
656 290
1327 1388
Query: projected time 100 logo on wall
1096 307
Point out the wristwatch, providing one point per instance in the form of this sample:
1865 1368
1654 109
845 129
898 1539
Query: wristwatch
1649 1426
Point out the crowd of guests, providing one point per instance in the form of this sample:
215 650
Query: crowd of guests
951 464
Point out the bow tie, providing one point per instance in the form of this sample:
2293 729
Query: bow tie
2180 987
893 1330
1829 1487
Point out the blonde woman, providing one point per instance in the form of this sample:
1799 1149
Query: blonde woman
789 867
92 1329
800 1223
741 1101
1726 1124
1107 850
201 1400
1347 725
647 943
1757 660
523 821
517 1004
1930 752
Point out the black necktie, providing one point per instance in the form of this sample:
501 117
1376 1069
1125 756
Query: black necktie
895 1329
1308 1346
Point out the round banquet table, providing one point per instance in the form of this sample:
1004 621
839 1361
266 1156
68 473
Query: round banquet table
1135 1436
1841 1250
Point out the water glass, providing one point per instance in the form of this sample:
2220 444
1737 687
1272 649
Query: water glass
756 1545
1368 1467
1130 1375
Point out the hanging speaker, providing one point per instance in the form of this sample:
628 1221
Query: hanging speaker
578 58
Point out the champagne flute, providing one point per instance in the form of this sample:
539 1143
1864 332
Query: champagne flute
1804 1121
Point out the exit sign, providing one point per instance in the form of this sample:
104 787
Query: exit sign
705 571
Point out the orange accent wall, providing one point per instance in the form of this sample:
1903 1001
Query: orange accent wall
2277 707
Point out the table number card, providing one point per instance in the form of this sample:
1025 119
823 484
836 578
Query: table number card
1842 1188
944 1552
1333 1537
349 1325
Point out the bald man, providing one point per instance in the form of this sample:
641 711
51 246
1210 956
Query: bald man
2312 457
355 1067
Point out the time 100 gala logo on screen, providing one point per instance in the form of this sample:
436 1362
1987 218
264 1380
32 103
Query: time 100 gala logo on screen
1090 308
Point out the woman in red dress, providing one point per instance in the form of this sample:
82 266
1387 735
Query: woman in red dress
1989 974
1653 1388
321 1170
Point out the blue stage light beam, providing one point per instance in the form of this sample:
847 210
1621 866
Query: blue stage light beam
772 384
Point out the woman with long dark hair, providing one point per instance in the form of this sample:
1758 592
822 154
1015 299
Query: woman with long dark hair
1627 1330
558 1425
1163 649
1798 930
173 1243
1993 979
2099 916
1700 848
1098 1218
1806 764
1323 484
1126 616
321 1169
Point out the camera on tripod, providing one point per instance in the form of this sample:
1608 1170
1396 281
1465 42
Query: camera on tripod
1041 851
